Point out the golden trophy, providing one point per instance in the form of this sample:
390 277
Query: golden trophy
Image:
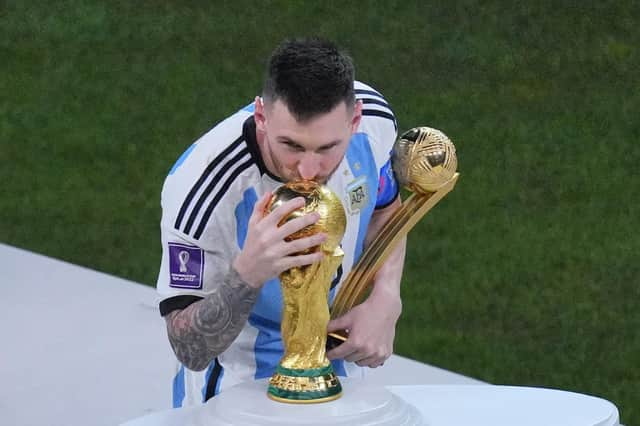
304 374
424 161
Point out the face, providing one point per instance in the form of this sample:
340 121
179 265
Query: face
310 150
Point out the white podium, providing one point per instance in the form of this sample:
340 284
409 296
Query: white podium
366 404
130 383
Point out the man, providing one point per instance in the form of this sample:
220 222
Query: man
218 280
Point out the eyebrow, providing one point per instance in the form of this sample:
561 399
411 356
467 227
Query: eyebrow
290 141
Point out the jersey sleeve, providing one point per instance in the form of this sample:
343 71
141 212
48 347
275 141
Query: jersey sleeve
188 271
191 267
388 188
379 122
198 224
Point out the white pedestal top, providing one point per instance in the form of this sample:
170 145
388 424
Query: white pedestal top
440 405
445 405
85 348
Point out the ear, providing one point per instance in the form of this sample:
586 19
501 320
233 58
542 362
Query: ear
258 114
357 116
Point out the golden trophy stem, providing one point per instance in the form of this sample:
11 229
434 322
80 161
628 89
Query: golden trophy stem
356 285
304 374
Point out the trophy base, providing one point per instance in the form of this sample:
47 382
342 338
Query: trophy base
304 386
245 404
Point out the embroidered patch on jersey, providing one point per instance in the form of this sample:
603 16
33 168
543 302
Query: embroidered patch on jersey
186 264
357 195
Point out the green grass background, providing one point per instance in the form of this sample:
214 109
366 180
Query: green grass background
528 273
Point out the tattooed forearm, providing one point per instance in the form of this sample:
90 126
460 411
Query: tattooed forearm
206 328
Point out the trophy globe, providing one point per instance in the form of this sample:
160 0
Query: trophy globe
424 159
318 198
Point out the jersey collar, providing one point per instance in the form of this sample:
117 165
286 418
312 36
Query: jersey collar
249 134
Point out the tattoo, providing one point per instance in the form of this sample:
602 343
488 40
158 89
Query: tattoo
206 328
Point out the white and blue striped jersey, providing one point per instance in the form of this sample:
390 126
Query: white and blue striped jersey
207 200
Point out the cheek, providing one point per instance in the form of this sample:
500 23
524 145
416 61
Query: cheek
335 158
286 160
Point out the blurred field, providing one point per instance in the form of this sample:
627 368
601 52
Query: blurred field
528 273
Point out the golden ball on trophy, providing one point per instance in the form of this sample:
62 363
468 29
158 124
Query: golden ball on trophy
424 159
317 198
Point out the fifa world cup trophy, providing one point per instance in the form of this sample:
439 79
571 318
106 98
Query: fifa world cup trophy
304 374
424 161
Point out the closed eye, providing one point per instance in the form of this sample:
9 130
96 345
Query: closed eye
328 147
293 146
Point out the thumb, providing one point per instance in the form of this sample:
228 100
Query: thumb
341 323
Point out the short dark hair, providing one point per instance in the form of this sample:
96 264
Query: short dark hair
311 76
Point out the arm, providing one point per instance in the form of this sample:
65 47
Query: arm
387 280
372 324
206 328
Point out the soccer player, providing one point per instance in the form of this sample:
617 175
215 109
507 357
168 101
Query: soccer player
218 280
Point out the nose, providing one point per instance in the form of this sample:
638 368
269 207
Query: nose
309 167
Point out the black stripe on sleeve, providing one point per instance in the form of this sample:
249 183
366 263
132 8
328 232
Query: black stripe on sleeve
203 178
368 92
377 113
212 384
177 302
219 194
366 101
207 191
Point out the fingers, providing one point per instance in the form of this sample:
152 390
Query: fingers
364 351
371 362
294 225
298 223
283 210
341 323
300 260
345 349
272 219
341 352
305 243
266 251
364 355
260 207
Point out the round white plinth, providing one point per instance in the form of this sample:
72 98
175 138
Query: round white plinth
507 406
361 404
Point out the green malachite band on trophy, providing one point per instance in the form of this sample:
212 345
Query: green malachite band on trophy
302 395
308 385
311 372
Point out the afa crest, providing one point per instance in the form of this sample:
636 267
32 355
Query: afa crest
357 195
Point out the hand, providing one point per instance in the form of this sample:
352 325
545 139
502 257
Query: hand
265 253
372 328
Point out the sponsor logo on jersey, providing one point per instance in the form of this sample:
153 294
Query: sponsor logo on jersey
186 264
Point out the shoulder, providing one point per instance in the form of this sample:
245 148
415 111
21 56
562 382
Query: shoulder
374 103
201 183
378 120
373 100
